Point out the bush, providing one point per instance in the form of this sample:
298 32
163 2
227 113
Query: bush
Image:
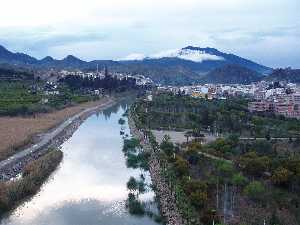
197 192
239 180
132 184
138 161
134 205
225 169
130 145
132 161
253 164
255 190
281 176
121 121
167 146
181 166
33 177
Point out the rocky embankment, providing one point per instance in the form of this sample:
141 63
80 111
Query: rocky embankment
13 166
167 199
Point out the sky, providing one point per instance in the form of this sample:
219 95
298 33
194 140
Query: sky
266 31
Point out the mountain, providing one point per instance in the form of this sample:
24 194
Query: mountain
15 58
183 66
288 75
201 59
12 72
189 64
47 59
232 74
71 61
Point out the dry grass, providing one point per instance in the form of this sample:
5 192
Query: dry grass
12 193
16 132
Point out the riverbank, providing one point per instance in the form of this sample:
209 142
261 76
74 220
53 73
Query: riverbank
167 199
14 165
12 193
18 131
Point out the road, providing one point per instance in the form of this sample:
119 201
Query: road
273 138
47 137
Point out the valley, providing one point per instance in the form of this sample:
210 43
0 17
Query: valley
221 152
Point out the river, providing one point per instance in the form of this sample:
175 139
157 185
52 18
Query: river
89 187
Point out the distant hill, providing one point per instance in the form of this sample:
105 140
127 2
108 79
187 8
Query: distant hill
289 75
189 64
200 59
15 58
232 74
9 72
183 66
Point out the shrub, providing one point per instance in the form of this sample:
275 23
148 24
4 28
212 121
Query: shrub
134 205
121 121
130 145
239 180
255 190
281 176
181 166
33 177
132 184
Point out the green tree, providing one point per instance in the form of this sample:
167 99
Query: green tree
281 176
197 192
274 219
254 165
167 146
121 121
255 190
239 180
181 166
225 169
132 184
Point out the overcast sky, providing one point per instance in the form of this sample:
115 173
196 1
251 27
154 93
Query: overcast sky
266 31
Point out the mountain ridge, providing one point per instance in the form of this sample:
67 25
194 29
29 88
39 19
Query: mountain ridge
182 66
288 75
238 75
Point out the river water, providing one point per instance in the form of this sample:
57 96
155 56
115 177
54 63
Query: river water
89 187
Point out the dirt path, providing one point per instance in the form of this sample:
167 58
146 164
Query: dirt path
17 132
13 165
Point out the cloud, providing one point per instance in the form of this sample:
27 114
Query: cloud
133 56
66 39
43 39
274 46
98 29
187 54
196 56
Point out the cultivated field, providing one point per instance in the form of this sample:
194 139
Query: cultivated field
16 132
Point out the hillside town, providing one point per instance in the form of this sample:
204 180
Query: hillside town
274 97
141 80
280 98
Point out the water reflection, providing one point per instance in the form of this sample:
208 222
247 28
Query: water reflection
89 187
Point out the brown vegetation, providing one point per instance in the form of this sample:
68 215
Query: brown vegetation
16 132
33 176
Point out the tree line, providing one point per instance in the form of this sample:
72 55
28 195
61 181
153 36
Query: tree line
108 82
